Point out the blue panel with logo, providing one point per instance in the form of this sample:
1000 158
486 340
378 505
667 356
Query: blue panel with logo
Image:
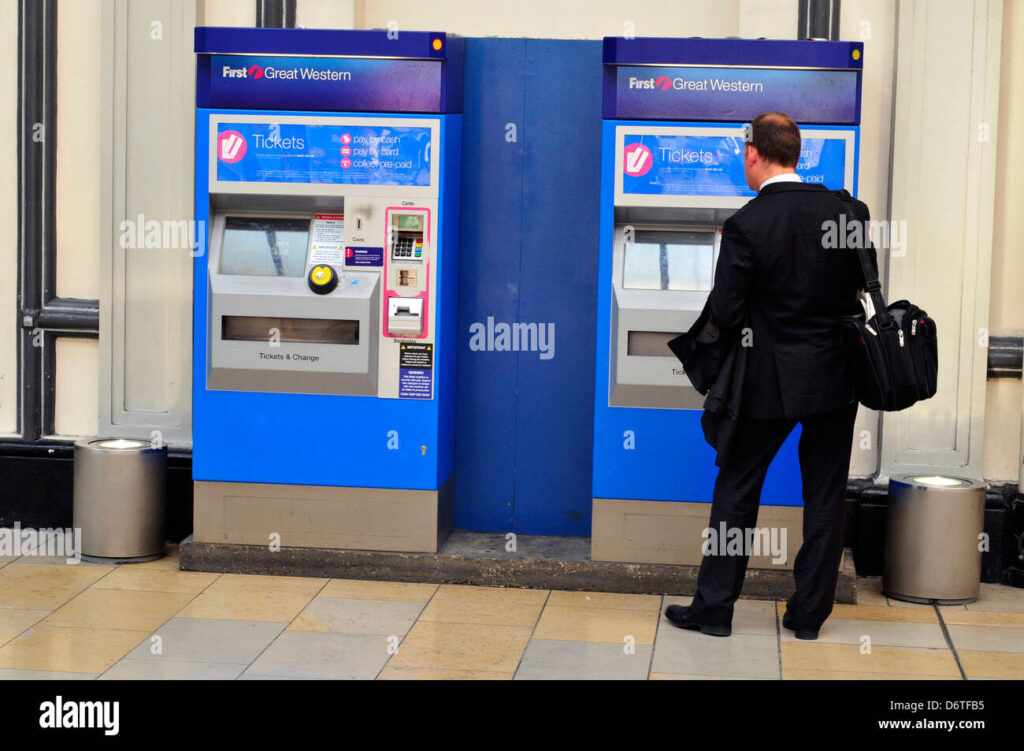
334 154
253 85
713 165
701 91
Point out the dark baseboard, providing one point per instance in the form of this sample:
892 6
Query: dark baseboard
37 488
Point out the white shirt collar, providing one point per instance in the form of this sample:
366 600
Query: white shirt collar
785 177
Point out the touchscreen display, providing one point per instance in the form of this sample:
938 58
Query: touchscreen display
260 246
669 260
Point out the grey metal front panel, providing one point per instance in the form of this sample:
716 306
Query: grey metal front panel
650 315
271 362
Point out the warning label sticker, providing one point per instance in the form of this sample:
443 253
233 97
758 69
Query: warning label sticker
415 370
328 241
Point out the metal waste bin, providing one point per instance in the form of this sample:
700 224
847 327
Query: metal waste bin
120 494
932 544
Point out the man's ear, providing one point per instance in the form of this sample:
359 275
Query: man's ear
751 156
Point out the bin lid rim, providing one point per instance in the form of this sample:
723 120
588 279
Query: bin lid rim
938 481
119 444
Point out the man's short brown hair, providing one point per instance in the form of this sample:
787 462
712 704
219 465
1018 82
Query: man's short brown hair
776 137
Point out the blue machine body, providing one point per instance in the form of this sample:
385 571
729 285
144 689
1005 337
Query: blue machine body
323 438
665 98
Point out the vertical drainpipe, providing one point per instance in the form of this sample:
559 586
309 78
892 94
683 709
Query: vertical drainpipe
275 14
818 19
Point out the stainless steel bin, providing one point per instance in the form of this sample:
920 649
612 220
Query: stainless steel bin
932 538
120 491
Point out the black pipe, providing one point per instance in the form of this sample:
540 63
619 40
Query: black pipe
275 14
818 19
1005 356
37 136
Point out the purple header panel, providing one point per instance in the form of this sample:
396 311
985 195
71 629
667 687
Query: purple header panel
329 70
323 83
666 93
732 79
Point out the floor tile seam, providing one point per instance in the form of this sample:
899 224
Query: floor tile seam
532 636
283 629
398 647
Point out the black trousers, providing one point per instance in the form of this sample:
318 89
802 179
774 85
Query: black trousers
824 452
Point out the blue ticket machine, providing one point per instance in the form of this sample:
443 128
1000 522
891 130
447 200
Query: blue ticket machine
672 173
327 197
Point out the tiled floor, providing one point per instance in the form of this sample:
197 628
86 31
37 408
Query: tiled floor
152 620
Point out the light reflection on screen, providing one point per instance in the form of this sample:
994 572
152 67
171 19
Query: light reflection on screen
669 260
260 246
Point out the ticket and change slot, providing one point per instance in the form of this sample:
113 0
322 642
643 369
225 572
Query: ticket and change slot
662 274
282 317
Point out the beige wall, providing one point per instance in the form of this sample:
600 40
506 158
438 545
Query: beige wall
325 14
8 218
78 152
226 12
1004 397
562 19
79 26
76 386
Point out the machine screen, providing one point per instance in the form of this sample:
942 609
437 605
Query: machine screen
669 260
259 246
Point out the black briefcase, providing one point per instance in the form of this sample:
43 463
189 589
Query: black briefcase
893 351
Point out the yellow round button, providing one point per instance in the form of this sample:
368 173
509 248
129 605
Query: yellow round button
322 279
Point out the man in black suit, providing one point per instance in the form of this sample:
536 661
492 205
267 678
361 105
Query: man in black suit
777 276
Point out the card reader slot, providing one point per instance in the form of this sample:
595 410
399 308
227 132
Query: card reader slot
299 330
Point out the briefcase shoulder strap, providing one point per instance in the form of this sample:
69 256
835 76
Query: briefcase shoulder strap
874 287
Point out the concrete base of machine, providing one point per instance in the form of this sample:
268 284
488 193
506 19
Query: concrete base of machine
672 532
539 562
313 516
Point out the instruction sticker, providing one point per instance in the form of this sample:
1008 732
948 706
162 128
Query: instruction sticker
328 242
415 371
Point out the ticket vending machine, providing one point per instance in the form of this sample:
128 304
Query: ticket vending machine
327 195
672 173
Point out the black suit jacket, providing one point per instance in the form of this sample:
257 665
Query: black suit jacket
775 265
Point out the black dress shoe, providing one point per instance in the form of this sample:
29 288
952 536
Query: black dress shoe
680 616
800 633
